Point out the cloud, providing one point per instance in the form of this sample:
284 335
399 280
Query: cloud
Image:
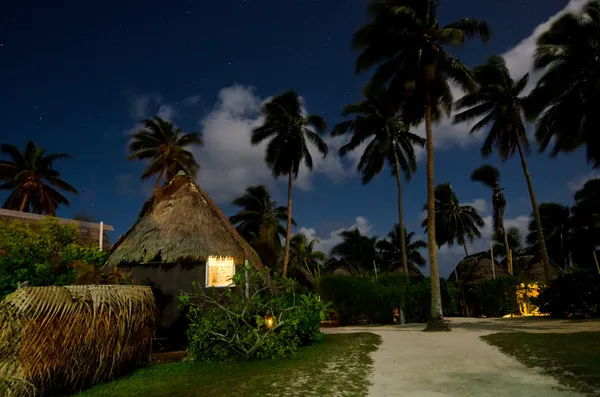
140 105
479 204
577 183
191 100
229 162
327 242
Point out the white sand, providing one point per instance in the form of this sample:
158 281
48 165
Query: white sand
458 363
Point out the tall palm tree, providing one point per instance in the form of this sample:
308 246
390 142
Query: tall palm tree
259 222
556 223
564 101
453 222
391 251
496 103
514 238
289 132
165 147
489 176
407 44
35 184
586 228
357 250
305 259
391 142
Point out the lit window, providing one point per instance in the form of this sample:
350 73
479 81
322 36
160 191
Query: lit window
219 271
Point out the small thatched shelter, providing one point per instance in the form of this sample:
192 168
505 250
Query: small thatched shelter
61 339
181 237
476 268
413 270
530 268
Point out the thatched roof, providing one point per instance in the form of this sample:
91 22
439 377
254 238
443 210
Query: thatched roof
530 268
477 268
180 224
413 270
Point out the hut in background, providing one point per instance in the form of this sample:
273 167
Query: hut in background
413 270
181 237
476 268
530 268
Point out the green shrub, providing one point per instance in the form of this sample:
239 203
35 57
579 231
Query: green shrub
362 300
418 300
42 254
574 294
226 325
495 297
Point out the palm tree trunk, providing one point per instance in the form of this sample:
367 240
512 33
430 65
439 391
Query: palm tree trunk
536 215
465 248
162 171
23 203
288 231
436 320
506 247
401 219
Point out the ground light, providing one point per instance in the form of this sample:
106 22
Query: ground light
524 295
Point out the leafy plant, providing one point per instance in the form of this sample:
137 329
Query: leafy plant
45 253
269 322
417 304
574 294
496 297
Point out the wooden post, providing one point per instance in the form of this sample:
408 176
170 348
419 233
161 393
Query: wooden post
246 277
455 271
101 239
510 264
375 269
596 260
493 262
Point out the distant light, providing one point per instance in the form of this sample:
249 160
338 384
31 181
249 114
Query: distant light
270 322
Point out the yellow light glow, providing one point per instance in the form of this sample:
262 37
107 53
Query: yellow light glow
524 294
219 271
396 314
270 322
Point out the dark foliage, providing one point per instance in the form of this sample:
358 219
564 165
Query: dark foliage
572 295
495 297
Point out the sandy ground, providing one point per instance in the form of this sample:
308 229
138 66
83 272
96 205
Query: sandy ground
458 363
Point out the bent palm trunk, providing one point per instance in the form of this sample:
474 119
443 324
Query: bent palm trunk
436 321
288 231
536 215
506 247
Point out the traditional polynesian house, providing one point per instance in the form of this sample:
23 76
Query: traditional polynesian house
181 237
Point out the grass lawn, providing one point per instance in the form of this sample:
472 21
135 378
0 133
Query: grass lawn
574 359
340 363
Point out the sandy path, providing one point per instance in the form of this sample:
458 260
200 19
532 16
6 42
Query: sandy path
458 363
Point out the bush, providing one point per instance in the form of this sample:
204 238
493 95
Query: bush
495 297
46 254
418 300
575 294
364 300
266 324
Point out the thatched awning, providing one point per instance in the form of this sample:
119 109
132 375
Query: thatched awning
413 270
530 268
477 268
180 224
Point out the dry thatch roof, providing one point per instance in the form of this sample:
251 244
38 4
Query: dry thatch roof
65 338
476 268
530 268
413 270
180 223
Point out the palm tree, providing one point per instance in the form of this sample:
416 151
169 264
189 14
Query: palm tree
408 45
164 146
356 250
556 224
489 176
565 106
288 131
259 222
35 184
453 222
586 228
377 120
391 251
497 102
514 239
305 260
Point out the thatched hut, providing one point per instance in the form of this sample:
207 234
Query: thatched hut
413 270
61 339
181 237
476 268
530 268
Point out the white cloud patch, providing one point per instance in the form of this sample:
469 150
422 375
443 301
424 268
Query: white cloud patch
326 243
229 163
479 204
577 183
191 100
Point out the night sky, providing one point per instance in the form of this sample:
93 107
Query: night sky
76 77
